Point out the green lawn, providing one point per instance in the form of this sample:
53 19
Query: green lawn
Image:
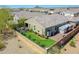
39 40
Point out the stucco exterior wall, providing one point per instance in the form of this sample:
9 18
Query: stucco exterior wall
54 29
36 27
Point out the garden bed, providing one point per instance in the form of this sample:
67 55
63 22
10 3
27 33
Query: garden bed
43 42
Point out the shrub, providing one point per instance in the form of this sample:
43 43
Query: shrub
33 39
31 30
43 46
21 22
38 42
61 46
27 36
1 45
72 43
23 33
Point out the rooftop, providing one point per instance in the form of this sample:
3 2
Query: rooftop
49 20
26 14
75 19
72 11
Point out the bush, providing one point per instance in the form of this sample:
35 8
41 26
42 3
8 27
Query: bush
21 22
23 34
34 39
1 45
38 42
31 30
29 36
43 46
72 43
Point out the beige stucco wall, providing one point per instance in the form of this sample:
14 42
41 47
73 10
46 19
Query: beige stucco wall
38 28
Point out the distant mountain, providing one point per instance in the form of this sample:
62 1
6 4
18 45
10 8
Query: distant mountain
38 7
3 6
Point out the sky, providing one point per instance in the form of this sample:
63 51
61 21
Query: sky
32 6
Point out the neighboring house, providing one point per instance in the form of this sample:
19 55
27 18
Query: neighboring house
47 25
25 15
50 12
75 20
38 9
69 13
58 10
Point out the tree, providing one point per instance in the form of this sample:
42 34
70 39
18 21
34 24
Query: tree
4 17
21 22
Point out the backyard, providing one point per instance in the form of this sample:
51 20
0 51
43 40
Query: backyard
43 42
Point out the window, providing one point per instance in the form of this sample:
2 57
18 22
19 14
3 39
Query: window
26 25
34 28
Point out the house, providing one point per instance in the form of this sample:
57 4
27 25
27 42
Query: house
75 20
46 25
58 10
25 15
70 12
50 12
38 9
